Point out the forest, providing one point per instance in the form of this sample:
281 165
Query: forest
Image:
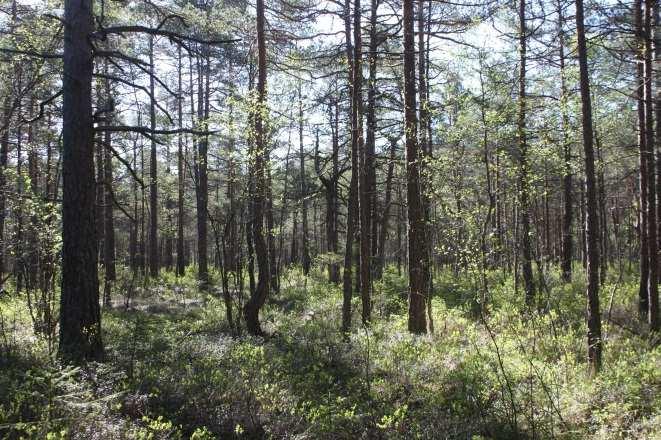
330 219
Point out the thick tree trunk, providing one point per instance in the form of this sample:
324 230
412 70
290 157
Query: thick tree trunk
80 317
418 283
591 223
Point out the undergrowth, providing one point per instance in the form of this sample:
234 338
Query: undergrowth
489 371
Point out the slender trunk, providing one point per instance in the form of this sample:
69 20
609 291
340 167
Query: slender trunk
591 224
385 216
347 287
258 298
652 281
109 221
303 188
201 186
567 239
526 249
654 300
643 297
425 149
4 155
368 189
181 262
153 184
362 170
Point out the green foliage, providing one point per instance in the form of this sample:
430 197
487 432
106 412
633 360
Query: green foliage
176 373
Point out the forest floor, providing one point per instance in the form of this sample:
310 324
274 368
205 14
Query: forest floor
175 370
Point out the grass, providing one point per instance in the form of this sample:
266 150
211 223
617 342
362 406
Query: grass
173 370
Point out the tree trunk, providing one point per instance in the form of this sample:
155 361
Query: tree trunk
591 223
385 215
109 221
4 155
258 298
365 209
153 184
652 281
80 317
201 187
643 297
654 308
567 239
353 185
181 262
418 283
305 258
526 249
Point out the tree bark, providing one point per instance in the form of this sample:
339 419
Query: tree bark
305 257
385 215
153 175
347 288
258 298
109 221
181 261
654 303
80 317
202 187
567 214
363 171
418 283
591 223
652 281
526 248
643 297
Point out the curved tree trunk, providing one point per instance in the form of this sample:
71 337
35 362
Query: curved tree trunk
258 298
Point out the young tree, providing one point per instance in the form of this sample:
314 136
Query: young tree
524 196
567 239
591 221
153 174
352 220
258 297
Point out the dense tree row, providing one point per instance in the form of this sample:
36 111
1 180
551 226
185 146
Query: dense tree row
240 139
